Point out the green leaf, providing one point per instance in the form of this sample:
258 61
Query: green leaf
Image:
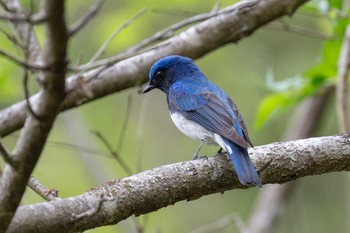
271 106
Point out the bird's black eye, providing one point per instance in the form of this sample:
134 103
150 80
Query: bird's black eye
159 75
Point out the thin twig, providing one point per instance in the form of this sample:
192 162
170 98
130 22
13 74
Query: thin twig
25 76
11 38
26 96
78 25
113 152
24 64
70 146
41 190
23 18
159 36
6 8
342 84
175 12
281 25
6 156
102 49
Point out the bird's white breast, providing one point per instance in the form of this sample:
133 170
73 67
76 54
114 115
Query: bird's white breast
192 129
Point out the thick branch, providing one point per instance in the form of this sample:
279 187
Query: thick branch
163 186
35 132
229 25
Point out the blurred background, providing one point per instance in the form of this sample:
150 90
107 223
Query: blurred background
265 76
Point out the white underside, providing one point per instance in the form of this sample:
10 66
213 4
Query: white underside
198 132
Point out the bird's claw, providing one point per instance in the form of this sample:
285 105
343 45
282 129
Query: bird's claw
220 152
195 157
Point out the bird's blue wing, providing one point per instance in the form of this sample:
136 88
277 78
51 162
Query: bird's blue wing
208 110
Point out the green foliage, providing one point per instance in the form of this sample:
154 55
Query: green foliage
318 76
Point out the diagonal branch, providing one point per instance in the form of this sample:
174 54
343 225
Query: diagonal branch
77 26
153 189
20 62
35 132
229 26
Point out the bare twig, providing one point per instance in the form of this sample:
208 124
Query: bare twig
25 75
23 18
282 25
78 25
25 30
342 84
6 156
175 12
102 49
114 153
4 5
26 96
223 223
12 38
41 190
24 64
159 36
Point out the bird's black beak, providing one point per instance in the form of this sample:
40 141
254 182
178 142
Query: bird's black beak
148 88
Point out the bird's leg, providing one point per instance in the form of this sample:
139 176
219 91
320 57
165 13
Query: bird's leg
195 156
219 151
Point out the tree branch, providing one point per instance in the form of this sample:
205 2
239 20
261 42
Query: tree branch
34 134
229 26
153 189
25 31
77 26
22 18
342 84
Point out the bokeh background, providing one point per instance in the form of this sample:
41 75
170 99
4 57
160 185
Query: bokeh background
140 130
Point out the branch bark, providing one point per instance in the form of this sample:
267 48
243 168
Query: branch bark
35 132
228 26
163 186
342 84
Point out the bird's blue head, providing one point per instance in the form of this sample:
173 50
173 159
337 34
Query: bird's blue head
168 70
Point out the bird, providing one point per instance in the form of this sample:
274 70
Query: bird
203 111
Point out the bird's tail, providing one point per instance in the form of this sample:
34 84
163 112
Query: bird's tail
244 167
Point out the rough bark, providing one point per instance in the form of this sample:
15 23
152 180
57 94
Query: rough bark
163 186
36 129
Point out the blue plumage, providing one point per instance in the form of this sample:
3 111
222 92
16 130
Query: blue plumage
203 111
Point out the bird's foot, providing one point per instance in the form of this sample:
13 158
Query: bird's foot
220 152
195 156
